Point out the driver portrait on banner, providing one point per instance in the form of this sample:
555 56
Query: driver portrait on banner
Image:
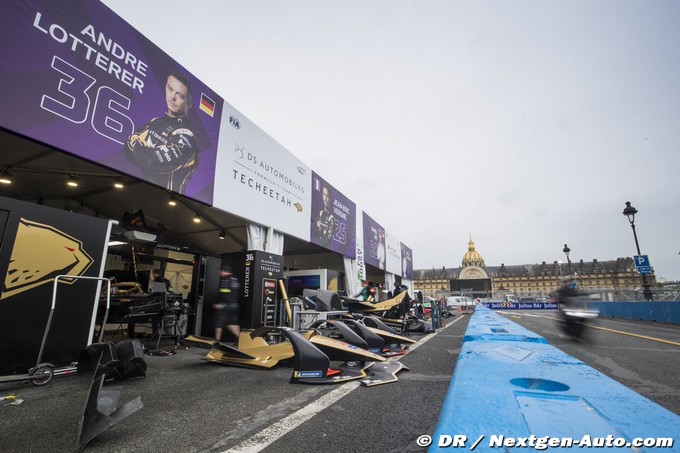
323 227
165 148
381 254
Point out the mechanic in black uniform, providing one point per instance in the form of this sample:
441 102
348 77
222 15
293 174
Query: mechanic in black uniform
165 148
227 309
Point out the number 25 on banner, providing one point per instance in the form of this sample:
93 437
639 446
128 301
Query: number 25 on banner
75 102
340 234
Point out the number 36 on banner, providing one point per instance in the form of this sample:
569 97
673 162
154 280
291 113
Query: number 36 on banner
73 103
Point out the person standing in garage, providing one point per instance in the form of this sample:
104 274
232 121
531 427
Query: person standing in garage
227 308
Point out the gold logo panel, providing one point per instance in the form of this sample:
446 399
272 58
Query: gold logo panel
40 253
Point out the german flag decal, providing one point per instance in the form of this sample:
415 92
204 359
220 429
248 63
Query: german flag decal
207 105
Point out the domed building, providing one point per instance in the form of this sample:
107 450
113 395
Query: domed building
473 263
472 276
534 281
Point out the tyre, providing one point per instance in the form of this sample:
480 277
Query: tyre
41 374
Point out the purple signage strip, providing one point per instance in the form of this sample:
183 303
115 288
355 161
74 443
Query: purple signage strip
374 243
406 262
333 222
77 77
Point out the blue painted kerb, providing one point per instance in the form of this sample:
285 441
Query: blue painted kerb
487 325
509 387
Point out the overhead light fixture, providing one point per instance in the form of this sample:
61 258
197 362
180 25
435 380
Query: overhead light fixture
222 234
172 201
72 181
6 177
197 218
115 243
118 183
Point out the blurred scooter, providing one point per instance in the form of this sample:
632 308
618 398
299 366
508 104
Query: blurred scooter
575 318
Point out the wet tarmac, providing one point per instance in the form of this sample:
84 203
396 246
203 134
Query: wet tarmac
190 405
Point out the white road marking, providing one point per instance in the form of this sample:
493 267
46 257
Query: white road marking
259 441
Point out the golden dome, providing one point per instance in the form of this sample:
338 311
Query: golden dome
472 258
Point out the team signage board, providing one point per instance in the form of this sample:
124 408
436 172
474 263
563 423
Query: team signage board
374 243
38 244
77 77
259 180
269 298
406 262
261 273
393 261
333 222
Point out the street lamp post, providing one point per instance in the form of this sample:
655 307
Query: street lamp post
566 251
630 212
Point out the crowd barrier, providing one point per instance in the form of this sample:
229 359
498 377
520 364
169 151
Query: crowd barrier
511 389
646 311
668 312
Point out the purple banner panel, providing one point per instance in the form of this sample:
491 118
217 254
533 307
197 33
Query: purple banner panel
374 243
77 77
406 262
333 222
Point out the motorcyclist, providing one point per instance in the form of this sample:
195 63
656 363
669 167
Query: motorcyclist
568 298
568 293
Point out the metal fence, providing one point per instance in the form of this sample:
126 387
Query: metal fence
663 294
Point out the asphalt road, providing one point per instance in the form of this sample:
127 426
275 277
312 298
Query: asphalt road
194 406
644 356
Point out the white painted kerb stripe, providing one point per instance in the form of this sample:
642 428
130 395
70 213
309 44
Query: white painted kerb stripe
267 436
270 435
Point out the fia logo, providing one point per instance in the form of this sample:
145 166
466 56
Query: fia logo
235 122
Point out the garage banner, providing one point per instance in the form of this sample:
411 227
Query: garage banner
374 243
259 180
77 77
406 262
333 218
393 262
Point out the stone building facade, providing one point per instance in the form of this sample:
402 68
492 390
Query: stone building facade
610 278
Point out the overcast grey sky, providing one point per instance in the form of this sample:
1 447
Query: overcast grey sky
526 124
